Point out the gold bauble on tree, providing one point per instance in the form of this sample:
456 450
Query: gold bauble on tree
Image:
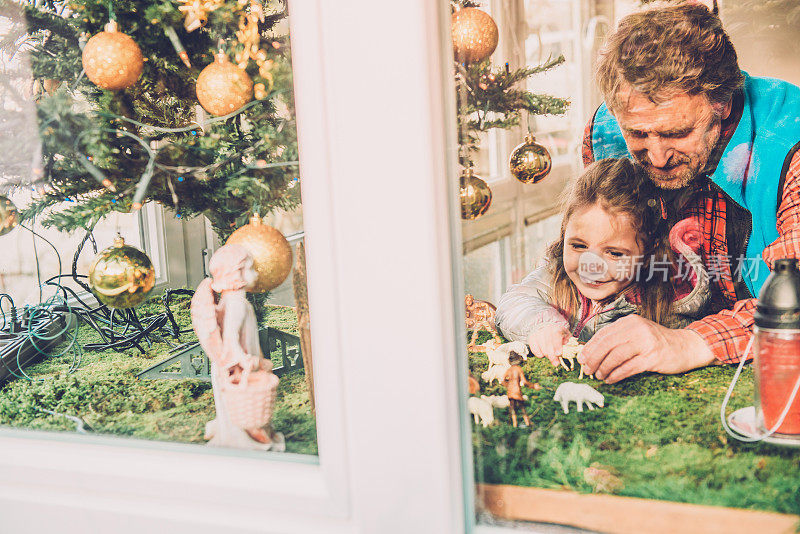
529 161
112 60
476 197
272 254
222 87
474 35
9 216
121 276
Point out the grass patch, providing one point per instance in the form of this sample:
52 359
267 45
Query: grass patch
106 394
658 437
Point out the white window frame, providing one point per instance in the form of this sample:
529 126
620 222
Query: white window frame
372 85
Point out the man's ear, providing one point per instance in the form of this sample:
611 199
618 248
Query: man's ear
726 111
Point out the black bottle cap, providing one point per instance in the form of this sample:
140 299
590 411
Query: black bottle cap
779 299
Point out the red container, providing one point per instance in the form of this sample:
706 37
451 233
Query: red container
777 363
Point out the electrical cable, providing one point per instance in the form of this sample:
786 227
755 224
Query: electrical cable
144 181
126 329
39 319
38 267
118 331
752 439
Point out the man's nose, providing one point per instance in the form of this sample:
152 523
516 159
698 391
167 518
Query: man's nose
658 151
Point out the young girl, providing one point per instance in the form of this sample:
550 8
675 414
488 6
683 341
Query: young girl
614 257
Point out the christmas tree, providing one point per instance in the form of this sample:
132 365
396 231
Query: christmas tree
490 97
112 144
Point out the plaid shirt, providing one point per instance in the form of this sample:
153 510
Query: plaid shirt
728 331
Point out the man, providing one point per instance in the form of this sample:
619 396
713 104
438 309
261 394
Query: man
513 380
723 147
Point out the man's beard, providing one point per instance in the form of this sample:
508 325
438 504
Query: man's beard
687 172
691 167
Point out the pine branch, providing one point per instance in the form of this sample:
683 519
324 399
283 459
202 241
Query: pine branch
222 170
38 20
491 98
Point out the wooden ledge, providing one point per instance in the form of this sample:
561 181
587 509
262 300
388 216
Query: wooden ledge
625 515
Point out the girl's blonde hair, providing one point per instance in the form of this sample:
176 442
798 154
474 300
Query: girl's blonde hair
619 186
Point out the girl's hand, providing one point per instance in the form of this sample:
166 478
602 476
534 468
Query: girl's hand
547 341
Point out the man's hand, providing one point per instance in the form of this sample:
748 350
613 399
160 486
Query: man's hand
633 345
547 341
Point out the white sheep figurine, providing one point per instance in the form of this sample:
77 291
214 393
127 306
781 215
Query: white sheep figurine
579 394
499 360
497 401
495 372
481 408
501 354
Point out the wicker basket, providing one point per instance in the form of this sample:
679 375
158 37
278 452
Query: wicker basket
250 405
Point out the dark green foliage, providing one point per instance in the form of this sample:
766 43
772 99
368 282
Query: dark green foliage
657 437
106 394
223 171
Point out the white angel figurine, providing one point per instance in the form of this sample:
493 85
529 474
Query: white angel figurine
242 379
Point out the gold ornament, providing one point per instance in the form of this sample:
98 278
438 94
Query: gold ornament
530 161
121 276
222 87
474 35
9 216
249 36
476 197
272 254
112 60
260 91
196 12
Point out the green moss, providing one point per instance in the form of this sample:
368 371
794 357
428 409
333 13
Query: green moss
657 437
106 394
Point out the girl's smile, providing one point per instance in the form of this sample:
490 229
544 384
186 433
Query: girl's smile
601 252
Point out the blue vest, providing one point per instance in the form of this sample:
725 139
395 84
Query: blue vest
750 169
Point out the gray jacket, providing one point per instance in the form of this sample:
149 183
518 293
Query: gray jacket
526 306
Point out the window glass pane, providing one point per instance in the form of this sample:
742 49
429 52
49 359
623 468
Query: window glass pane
643 448
539 235
33 259
484 273
171 126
